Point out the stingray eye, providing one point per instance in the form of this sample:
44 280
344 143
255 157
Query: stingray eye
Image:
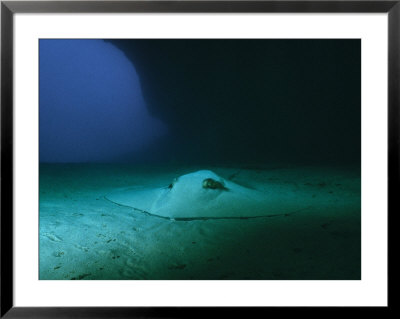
212 184
206 183
173 183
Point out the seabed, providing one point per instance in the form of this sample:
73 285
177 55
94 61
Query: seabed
84 235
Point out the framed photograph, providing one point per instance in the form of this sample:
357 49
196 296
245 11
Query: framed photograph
171 158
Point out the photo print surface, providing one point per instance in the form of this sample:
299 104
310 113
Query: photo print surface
200 159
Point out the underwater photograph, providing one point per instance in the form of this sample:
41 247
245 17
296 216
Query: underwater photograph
199 159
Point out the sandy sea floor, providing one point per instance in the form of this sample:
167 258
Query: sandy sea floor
85 236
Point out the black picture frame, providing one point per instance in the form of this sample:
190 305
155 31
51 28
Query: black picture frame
9 8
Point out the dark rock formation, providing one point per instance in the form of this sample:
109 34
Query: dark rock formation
253 101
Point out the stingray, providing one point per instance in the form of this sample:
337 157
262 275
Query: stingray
204 194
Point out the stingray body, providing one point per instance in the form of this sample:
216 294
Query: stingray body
187 197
